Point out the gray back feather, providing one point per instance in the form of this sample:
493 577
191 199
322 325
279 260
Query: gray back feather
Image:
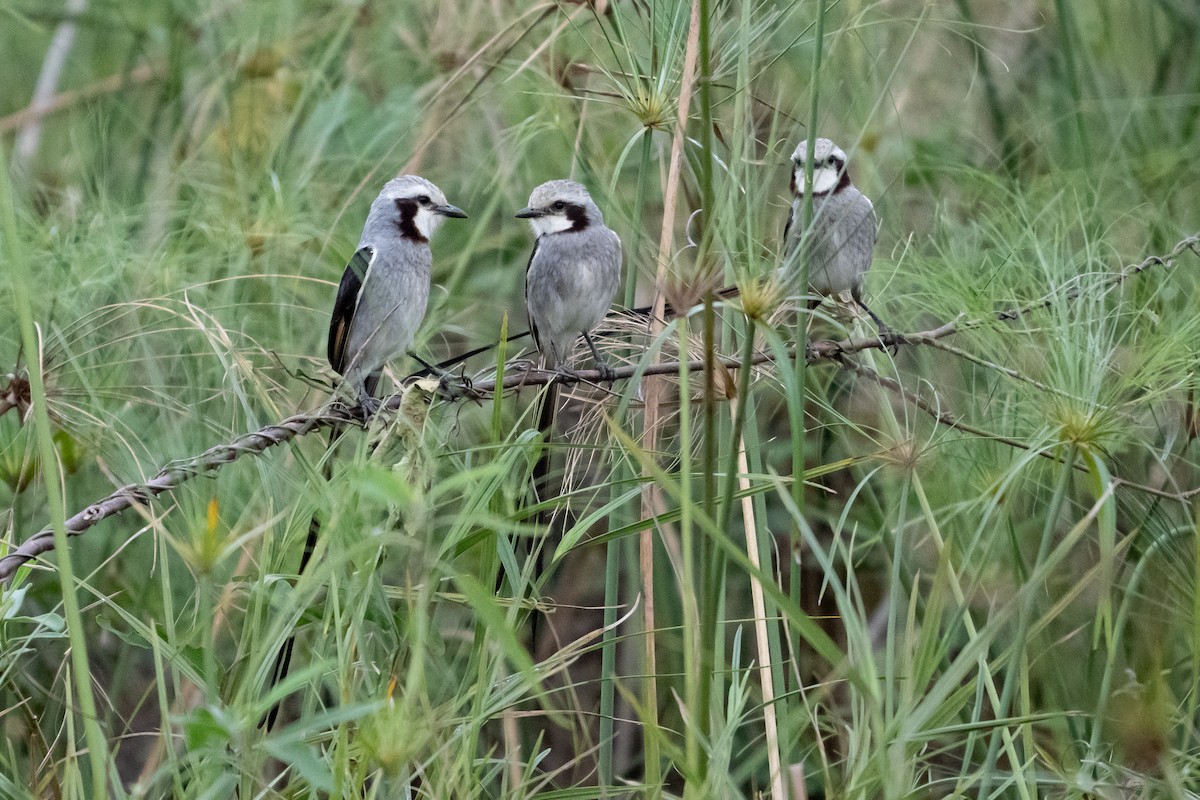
572 279
841 244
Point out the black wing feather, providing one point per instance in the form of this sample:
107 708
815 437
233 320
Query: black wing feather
344 306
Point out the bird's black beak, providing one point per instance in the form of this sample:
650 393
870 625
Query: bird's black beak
531 213
451 211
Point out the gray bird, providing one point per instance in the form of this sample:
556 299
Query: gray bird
385 288
842 239
572 276
379 307
573 272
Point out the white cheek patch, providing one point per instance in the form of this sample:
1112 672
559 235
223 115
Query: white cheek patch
551 223
824 180
426 221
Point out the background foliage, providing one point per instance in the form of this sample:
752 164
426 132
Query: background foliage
1004 608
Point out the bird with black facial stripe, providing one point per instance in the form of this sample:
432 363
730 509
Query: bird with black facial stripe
573 272
379 306
385 288
840 244
572 276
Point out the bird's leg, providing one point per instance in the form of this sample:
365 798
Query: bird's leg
568 373
369 404
432 369
606 372
884 330
813 305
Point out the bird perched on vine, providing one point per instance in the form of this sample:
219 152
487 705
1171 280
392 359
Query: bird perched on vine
379 306
382 297
839 246
572 276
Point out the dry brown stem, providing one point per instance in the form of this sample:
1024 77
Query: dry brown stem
64 100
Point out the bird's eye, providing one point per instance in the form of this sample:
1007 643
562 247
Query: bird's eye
423 199
559 206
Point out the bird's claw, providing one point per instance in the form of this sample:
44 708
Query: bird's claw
607 373
455 386
887 337
370 406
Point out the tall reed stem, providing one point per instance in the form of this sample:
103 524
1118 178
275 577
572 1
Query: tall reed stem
81 673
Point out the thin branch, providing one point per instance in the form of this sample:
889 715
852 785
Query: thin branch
950 421
64 100
174 475
888 340
47 83
832 350
1183 497
1190 243
516 379
337 413
942 417
1009 371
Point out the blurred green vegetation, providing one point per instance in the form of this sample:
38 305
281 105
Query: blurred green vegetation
1008 608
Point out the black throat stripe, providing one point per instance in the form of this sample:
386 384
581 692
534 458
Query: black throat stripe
578 217
844 180
407 223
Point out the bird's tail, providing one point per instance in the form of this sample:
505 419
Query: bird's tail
542 490
283 659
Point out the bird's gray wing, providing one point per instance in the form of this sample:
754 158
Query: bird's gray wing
858 242
787 226
345 305
533 329
620 258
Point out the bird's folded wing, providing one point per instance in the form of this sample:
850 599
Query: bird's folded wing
345 305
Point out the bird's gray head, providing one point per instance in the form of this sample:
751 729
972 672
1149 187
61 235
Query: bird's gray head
829 168
413 205
558 206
